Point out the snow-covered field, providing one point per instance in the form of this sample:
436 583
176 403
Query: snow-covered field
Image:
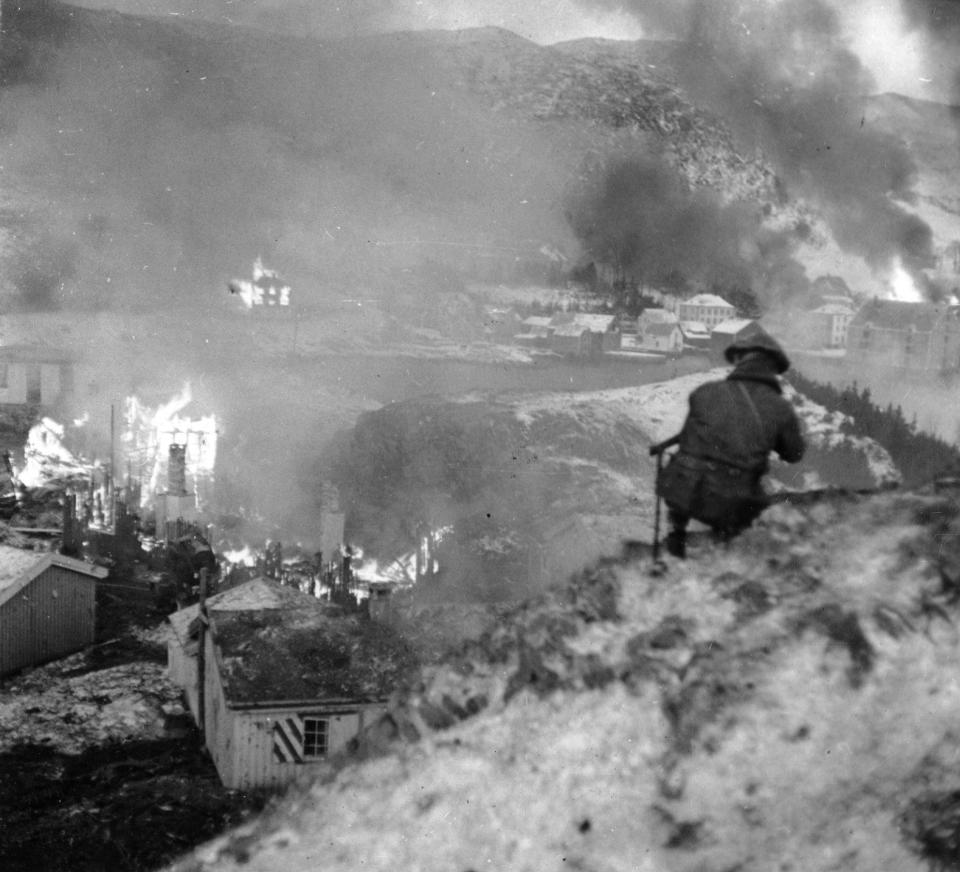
68 708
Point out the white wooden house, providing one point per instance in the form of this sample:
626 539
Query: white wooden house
663 336
286 679
652 316
47 606
33 375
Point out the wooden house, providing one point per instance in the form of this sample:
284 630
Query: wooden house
33 375
665 337
278 680
584 334
47 606
651 316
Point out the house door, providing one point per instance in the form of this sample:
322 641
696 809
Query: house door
34 392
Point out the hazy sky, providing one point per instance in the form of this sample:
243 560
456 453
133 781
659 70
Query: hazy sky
902 58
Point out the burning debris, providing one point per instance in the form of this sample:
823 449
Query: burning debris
50 465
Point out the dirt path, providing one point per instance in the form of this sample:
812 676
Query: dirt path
129 806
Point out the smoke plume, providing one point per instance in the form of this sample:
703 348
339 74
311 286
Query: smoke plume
639 215
784 77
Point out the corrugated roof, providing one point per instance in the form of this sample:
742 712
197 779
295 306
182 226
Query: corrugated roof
19 567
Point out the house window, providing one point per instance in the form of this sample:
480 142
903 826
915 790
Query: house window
314 737
4 377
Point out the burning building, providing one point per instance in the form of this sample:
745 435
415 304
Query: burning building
265 291
170 456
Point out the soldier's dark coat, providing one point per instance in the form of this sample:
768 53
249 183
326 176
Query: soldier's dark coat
731 428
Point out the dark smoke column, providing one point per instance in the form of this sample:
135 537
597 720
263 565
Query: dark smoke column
781 75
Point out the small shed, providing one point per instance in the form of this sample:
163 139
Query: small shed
287 679
47 606
725 334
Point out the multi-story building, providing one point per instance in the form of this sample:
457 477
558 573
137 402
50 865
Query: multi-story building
708 309
828 325
914 337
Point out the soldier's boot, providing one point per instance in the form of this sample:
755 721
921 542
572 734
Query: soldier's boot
676 543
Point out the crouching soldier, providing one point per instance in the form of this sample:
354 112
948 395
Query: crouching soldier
730 430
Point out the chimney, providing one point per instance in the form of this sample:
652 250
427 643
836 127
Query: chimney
177 470
379 603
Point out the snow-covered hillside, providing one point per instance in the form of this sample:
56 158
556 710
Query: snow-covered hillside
786 703
518 469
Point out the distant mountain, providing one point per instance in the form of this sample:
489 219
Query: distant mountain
148 159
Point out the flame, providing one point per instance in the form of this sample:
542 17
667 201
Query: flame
902 286
244 556
47 458
403 569
149 433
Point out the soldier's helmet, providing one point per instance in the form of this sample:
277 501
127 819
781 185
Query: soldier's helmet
759 340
